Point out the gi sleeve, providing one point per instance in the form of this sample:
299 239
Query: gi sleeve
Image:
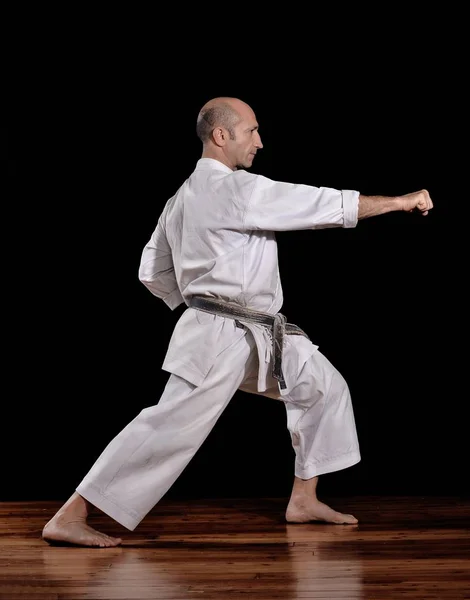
279 206
157 271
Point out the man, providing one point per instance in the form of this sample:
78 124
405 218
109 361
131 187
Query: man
214 248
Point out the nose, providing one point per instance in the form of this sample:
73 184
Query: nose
258 142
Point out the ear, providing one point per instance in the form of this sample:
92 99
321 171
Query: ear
219 135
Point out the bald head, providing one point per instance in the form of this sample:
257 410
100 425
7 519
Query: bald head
228 130
219 112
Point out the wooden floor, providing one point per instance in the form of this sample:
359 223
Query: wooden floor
221 549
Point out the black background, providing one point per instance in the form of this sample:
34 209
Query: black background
101 132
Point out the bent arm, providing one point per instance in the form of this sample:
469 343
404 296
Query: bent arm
157 270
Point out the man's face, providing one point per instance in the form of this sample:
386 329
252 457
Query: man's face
242 150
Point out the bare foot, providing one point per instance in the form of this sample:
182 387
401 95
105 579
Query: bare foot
302 511
304 505
76 533
69 527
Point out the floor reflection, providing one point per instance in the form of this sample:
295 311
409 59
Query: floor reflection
306 559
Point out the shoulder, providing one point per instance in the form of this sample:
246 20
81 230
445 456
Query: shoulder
245 183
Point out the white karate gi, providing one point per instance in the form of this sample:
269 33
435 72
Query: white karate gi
216 237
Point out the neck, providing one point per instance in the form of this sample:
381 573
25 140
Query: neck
210 153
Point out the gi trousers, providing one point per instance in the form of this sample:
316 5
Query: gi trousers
143 461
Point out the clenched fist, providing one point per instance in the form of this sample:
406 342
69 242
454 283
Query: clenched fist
417 201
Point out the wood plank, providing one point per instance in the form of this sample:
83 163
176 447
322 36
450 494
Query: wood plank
406 547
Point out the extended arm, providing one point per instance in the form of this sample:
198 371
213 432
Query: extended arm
371 206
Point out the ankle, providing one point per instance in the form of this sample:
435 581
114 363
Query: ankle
77 505
305 487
